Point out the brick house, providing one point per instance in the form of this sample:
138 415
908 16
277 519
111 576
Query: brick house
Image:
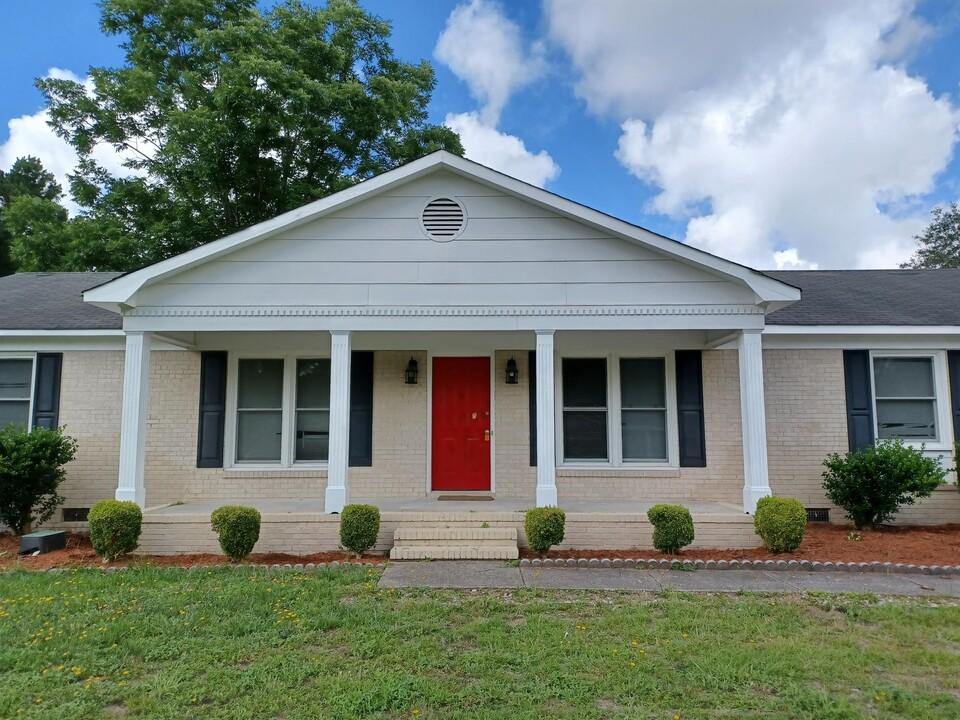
456 346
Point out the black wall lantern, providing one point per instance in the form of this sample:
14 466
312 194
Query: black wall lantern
410 374
513 374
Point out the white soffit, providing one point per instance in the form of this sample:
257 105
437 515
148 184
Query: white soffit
121 293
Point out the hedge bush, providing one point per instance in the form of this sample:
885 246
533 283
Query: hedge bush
544 527
114 528
672 527
237 528
781 522
872 484
31 470
359 527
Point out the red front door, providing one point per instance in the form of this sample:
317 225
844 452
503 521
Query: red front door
461 423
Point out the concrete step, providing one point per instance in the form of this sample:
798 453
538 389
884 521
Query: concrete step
454 552
454 543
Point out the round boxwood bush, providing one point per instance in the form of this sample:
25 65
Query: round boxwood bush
238 529
359 527
114 528
781 522
672 527
544 527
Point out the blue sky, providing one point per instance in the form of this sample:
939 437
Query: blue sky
775 133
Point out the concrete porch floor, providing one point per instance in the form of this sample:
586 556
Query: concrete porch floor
424 504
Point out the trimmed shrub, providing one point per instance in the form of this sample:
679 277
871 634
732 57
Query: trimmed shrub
237 528
781 522
359 527
31 470
114 528
672 527
544 527
872 484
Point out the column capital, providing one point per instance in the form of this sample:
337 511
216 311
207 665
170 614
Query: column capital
341 333
545 332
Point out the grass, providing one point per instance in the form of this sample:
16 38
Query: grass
228 643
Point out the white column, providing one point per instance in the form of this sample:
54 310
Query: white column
133 419
336 496
756 483
546 431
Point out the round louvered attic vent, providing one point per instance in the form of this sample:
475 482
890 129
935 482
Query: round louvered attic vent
443 219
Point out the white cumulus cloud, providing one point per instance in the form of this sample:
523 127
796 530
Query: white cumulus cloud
787 134
485 49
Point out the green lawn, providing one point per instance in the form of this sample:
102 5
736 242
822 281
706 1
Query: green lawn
252 644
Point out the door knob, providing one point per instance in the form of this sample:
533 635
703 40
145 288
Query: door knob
486 436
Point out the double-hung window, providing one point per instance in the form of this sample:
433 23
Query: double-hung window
616 410
282 411
905 397
16 385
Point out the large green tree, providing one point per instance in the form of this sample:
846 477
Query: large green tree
939 243
26 183
228 115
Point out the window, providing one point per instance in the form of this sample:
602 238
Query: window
905 396
265 433
616 410
16 381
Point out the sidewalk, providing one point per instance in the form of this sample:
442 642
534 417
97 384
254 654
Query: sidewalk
467 574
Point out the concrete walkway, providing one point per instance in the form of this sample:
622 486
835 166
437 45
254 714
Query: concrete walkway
495 574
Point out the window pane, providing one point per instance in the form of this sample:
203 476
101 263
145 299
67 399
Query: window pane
906 419
258 436
14 412
644 434
313 434
642 383
15 378
903 377
584 382
260 384
313 383
584 435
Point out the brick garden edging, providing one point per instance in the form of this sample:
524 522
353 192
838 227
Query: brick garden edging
775 565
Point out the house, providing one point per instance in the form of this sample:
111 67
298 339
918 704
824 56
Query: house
455 346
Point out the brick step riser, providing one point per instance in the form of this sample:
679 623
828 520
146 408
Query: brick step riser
454 553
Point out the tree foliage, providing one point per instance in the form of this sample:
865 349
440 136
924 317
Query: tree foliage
227 115
29 180
939 243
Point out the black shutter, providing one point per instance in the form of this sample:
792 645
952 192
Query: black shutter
213 409
46 394
532 374
954 358
361 409
856 375
693 443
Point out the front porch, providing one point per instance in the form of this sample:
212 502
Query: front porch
302 527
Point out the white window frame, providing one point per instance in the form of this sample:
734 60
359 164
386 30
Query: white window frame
614 412
288 415
32 357
943 441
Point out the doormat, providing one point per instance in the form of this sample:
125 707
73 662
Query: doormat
465 497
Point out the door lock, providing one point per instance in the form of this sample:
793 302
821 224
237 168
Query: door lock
486 436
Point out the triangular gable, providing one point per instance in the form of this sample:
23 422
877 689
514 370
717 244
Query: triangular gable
511 216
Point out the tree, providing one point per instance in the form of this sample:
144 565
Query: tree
227 115
940 242
27 179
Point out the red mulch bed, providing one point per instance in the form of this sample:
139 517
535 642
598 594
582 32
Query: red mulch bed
920 545
917 545
79 554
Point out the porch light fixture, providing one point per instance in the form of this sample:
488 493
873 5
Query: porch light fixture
410 374
513 374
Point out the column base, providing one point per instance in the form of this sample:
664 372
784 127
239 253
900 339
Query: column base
751 495
546 496
137 495
335 500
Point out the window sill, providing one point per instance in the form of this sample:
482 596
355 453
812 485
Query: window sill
632 471
296 471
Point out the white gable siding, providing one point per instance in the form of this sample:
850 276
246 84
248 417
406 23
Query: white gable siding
511 253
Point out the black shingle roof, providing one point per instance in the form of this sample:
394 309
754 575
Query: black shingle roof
870 297
54 301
